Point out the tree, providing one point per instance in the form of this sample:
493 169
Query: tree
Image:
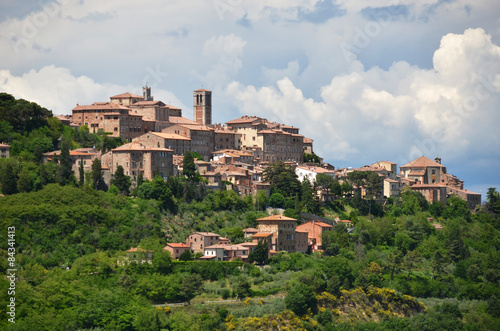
8 178
38 155
188 166
261 200
186 256
309 200
300 298
394 261
64 172
260 253
493 198
96 175
283 179
437 263
311 158
276 200
410 262
24 183
121 181
191 286
241 287
81 179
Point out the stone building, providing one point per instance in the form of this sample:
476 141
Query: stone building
176 249
308 146
273 141
202 104
227 139
77 156
282 229
179 144
4 151
435 183
202 137
197 241
314 230
136 158
424 171
311 172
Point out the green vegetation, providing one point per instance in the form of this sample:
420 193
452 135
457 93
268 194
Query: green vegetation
393 271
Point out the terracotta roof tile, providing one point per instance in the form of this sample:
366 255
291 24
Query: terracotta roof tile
276 218
127 95
134 146
422 162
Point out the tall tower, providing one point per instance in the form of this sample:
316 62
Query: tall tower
146 93
202 101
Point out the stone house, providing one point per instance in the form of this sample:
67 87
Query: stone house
282 229
176 249
197 241
177 143
314 230
202 137
135 158
4 151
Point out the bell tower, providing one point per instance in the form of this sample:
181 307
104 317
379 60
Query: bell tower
202 102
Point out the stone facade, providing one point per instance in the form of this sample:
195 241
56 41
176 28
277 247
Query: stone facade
301 241
135 158
202 104
202 137
179 144
4 151
227 139
314 230
176 249
282 229
272 141
197 241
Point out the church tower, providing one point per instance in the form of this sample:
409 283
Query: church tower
202 101
146 93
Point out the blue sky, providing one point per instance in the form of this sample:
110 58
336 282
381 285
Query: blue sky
367 80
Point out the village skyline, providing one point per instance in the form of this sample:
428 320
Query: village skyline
383 80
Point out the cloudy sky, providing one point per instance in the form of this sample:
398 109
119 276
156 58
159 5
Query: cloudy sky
368 80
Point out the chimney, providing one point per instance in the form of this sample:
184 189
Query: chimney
438 160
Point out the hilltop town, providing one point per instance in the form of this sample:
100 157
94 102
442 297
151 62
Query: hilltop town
237 151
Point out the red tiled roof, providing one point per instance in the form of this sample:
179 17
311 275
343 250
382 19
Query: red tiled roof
127 95
308 141
422 162
172 136
134 146
180 120
202 90
177 245
276 218
101 106
244 119
148 103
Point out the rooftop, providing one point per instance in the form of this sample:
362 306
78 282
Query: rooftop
127 95
276 218
422 162
134 146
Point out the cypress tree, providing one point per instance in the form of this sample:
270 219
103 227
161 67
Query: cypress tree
121 181
9 183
